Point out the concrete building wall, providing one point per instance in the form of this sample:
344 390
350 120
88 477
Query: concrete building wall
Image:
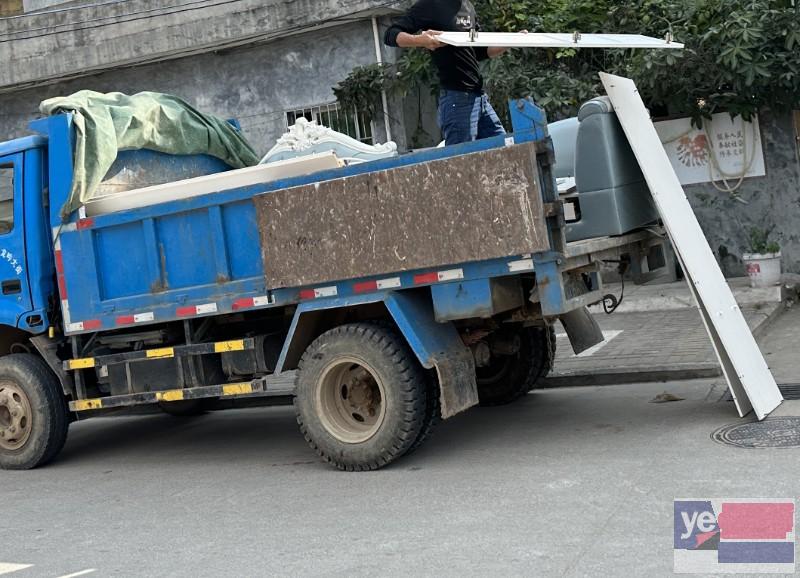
55 46
255 84
770 203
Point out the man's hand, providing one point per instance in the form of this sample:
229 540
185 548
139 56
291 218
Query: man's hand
427 39
496 51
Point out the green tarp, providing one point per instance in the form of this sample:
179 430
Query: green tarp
107 123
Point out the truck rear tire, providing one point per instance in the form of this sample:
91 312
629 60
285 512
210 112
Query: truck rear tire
509 377
34 417
433 413
361 397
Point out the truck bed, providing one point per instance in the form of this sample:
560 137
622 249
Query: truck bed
479 210
204 255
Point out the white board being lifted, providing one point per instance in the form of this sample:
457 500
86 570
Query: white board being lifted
548 40
749 378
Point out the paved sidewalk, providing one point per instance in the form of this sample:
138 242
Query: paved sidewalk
662 338
670 296
780 348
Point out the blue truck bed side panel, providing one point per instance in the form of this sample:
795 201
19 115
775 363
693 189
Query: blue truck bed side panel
191 257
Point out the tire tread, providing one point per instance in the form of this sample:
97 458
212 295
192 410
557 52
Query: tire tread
407 377
55 415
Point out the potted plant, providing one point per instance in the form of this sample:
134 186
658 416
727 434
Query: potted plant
763 263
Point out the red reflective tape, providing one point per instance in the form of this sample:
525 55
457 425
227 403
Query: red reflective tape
126 320
92 324
366 287
59 262
62 286
186 311
62 283
243 303
308 294
426 278
85 224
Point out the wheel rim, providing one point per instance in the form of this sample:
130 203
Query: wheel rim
351 400
15 416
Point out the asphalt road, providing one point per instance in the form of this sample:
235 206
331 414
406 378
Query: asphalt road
571 482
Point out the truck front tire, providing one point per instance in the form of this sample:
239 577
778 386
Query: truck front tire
34 417
509 377
361 397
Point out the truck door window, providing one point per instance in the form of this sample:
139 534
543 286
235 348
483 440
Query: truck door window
6 198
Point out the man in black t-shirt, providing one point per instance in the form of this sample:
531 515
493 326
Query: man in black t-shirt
464 110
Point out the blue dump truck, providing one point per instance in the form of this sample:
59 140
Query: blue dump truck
378 297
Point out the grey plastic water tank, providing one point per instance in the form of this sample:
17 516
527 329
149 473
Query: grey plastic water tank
612 193
565 139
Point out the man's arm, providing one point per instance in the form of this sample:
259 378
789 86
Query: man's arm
425 39
403 31
495 51
484 53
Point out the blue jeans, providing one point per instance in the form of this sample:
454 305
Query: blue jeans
467 116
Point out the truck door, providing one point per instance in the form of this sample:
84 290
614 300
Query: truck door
15 299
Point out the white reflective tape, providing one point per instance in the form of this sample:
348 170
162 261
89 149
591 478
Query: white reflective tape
207 308
9 568
392 283
65 313
81 573
326 292
451 275
73 327
524 265
144 317
509 141
262 301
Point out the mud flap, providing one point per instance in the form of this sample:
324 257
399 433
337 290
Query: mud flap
582 329
439 346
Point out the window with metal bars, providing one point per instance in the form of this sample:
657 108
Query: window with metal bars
354 123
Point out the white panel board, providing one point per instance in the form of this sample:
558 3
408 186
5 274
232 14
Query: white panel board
724 149
748 376
545 40
199 186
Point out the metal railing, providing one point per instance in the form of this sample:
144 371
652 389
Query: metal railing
354 123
